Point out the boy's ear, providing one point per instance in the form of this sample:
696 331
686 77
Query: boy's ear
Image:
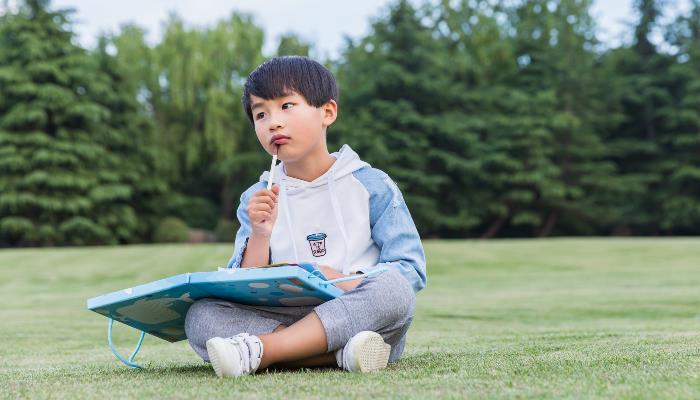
330 112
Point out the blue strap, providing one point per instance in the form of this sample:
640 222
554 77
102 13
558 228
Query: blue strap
318 274
130 362
373 272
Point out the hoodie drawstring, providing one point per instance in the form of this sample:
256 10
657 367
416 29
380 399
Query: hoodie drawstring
284 200
339 219
285 203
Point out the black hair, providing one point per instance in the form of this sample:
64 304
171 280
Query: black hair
279 76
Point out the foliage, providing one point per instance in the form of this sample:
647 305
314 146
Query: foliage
495 118
171 230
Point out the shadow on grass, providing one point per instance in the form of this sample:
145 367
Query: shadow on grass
191 369
206 370
463 317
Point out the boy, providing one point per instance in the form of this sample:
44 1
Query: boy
332 209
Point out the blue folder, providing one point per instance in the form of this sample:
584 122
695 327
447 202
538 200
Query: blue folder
159 307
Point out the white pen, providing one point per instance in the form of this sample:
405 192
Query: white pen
272 169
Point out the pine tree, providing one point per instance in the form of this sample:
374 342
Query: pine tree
132 156
556 41
61 182
681 137
503 156
639 93
389 82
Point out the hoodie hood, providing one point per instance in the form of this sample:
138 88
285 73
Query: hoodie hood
347 162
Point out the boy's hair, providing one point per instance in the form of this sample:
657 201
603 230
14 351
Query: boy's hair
279 76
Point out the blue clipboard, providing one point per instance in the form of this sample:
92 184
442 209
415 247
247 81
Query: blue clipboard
159 307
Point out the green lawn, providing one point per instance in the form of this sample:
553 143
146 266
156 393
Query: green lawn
576 318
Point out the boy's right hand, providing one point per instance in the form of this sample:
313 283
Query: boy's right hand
262 211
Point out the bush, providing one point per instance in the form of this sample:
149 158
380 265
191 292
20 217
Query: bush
197 212
171 230
14 230
79 231
226 230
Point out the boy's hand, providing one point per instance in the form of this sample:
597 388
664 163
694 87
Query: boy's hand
331 274
262 211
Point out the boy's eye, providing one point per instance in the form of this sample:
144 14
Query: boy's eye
287 105
259 115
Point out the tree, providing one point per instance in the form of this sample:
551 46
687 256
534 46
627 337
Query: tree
132 150
293 45
638 93
556 47
391 77
208 150
681 136
57 171
492 143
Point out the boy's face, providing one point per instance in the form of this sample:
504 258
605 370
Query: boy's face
301 126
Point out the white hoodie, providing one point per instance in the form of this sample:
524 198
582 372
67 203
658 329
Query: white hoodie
340 236
352 218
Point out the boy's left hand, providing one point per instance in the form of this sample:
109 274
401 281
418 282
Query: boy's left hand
330 274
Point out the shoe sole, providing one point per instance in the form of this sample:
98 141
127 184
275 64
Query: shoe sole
215 350
373 353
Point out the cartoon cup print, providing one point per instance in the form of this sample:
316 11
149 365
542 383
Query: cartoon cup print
317 241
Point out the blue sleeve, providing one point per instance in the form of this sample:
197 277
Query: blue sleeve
392 228
244 231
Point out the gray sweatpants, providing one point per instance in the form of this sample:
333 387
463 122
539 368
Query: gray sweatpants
383 304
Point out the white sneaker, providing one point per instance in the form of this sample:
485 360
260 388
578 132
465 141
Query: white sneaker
235 356
364 352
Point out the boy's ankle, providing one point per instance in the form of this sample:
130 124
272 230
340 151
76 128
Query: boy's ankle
268 353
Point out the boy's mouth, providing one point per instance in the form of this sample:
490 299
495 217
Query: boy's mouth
279 139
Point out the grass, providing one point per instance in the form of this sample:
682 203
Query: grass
561 318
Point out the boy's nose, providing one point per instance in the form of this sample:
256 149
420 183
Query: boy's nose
276 124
